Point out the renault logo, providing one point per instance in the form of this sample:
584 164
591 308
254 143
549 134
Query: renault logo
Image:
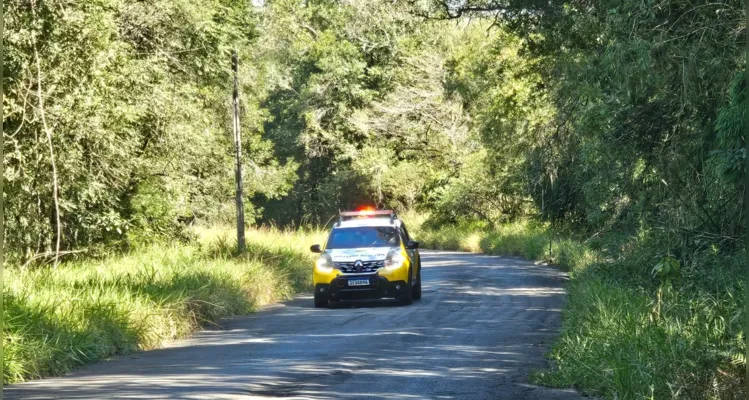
358 265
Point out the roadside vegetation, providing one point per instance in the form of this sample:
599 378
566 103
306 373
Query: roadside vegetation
82 311
613 130
634 326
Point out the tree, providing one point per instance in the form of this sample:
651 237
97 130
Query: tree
136 103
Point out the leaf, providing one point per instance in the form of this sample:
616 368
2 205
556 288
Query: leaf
666 268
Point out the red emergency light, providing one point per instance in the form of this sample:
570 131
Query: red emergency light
365 212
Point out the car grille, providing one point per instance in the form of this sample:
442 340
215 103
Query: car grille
366 266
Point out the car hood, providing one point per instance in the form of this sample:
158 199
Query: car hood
362 254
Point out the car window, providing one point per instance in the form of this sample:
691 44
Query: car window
367 236
405 232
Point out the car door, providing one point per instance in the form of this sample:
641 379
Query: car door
413 254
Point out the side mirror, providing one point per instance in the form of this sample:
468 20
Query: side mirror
315 248
412 244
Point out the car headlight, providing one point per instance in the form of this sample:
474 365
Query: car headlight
324 263
394 259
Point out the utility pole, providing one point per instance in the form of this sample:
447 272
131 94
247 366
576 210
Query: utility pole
551 214
238 154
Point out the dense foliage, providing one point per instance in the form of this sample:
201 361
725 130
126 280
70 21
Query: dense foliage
642 159
589 113
117 119
620 124
362 107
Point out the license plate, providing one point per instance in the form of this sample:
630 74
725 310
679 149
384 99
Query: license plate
358 282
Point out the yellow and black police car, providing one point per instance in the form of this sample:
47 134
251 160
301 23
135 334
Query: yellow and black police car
368 255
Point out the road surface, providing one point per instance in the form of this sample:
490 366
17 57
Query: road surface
483 324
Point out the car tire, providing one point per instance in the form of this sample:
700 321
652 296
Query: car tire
417 287
407 297
321 302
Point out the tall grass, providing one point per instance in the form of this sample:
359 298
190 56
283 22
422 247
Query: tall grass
618 340
525 238
80 312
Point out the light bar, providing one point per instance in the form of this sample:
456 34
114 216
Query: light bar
365 213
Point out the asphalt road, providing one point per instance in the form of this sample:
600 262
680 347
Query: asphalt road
483 324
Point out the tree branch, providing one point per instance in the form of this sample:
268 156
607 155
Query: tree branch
458 12
55 183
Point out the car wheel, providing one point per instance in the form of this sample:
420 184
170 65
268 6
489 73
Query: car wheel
321 302
417 287
408 295
406 298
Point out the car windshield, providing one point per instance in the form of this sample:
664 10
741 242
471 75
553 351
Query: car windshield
367 236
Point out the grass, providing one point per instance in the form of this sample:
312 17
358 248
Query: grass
526 238
618 341
84 311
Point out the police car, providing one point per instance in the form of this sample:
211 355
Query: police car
368 255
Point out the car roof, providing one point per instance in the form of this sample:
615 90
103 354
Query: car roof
361 222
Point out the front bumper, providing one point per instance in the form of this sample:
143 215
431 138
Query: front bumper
379 287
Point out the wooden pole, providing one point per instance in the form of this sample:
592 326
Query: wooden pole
551 214
238 154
